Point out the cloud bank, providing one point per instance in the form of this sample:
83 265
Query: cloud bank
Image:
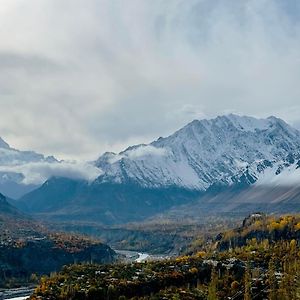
79 77
288 177
147 150
38 172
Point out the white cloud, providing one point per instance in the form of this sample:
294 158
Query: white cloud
79 77
288 177
38 172
139 152
148 150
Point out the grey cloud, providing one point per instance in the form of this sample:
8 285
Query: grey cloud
84 76
29 63
38 172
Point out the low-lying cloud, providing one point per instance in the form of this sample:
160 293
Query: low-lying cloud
139 152
289 176
147 150
38 172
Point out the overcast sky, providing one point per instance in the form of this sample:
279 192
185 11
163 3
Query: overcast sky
80 77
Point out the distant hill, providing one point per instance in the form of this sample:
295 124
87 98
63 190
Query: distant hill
11 177
7 209
62 199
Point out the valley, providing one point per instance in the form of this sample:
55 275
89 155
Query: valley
162 219
150 150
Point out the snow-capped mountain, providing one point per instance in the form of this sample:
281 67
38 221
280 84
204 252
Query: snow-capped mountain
198 170
10 156
225 150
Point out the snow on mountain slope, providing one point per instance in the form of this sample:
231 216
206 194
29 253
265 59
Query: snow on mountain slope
224 150
3 144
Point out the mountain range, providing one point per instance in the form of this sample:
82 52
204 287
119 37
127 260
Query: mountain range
193 169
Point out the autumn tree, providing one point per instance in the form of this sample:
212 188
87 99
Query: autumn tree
212 288
247 282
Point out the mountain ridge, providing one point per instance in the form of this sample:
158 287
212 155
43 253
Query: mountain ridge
24 171
11 177
203 152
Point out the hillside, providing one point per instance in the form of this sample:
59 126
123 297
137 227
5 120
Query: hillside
258 228
61 199
27 247
237 201
6 209
43 253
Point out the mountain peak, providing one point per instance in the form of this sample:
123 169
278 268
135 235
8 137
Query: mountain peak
241 122
205 152
245 123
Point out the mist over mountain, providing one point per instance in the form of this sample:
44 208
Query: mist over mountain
197 162
12 179
24 171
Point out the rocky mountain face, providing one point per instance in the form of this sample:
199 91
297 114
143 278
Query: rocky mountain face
197 162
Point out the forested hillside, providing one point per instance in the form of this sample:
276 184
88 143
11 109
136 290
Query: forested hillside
28 249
